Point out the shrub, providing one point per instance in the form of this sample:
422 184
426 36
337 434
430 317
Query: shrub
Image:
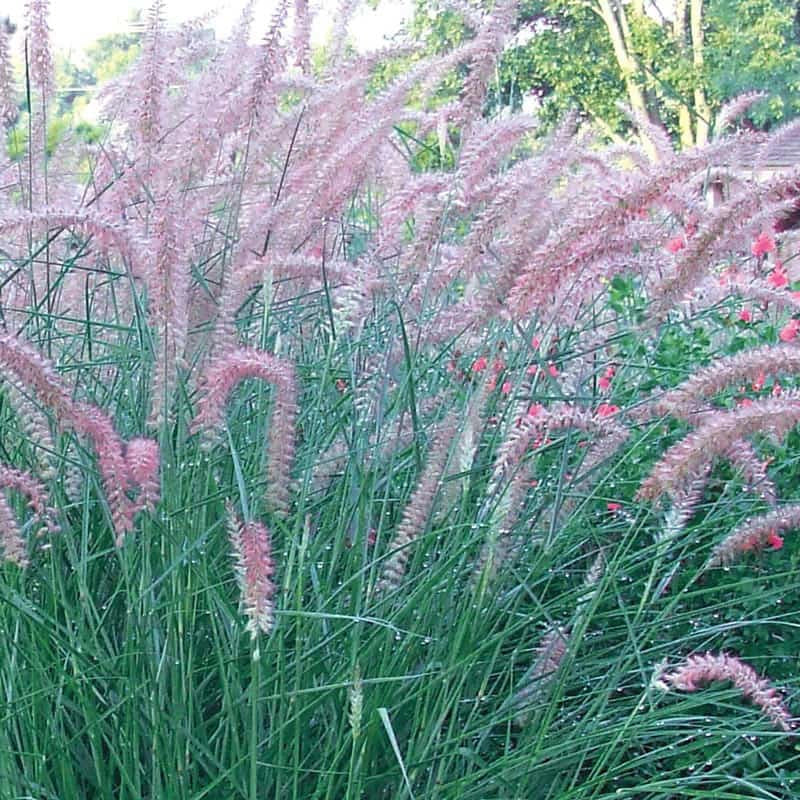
521 407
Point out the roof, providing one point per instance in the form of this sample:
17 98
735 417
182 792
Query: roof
776 152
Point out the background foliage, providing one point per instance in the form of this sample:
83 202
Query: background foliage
568 61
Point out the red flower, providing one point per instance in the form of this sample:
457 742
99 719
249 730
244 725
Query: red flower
606 409
604 382
613 506
774 540
789 330
778 277
535 409
763 244
480 364
758 383
745 315
553 370
676 243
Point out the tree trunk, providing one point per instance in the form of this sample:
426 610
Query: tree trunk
701 107
679 31
629 68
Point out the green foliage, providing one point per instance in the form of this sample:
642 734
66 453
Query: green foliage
438 29
568 62
104 59
111 55
17 136
566 65
132 675
753 44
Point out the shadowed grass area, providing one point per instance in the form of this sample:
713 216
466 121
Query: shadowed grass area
128 672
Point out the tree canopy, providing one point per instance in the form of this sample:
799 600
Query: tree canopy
675 61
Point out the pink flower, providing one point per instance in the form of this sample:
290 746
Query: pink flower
252 549
613 506
700 670
745 315
763 244
749 543
535 342
506 387
789 330
756 533
535 409
552 369
480 364
676 244
606 409
778 277
143 459
221 376
14 545
758 383
40 53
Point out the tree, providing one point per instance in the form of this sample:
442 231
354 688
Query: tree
690 56
675 62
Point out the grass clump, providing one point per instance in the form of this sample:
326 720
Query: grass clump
511 425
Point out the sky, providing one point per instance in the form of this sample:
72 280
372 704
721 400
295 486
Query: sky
76 23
